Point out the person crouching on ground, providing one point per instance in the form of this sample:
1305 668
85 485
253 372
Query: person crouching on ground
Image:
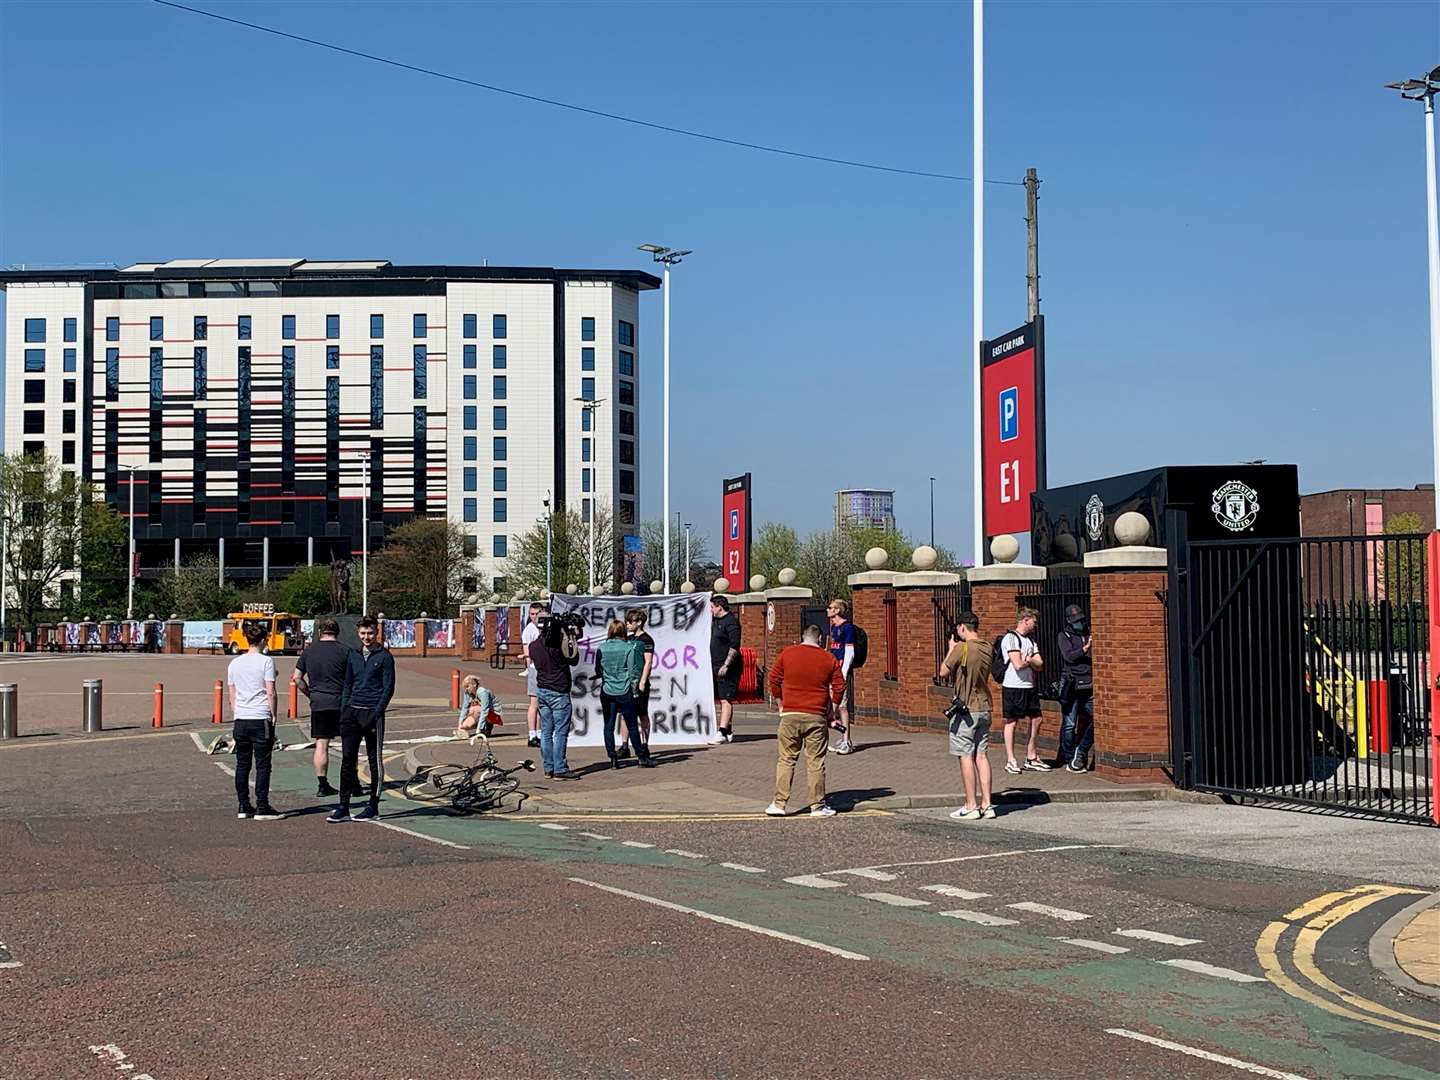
619 664
968 664
807 680
479 709
251 676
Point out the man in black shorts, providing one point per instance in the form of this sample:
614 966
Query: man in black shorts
320 675
725 662
635 628
1019 697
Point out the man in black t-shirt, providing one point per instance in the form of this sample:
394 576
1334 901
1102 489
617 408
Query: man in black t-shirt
635 628
320 676
725 662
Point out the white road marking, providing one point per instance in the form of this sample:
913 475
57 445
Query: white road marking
894 899
552 825
1219 1059
981 917
954 893
1063 914
421 835
814 881
229 769
743 868
1098 946
1201 968
595 835
685 854
113 1055
11 964
199 743
973 858
1155 935
779 935
635 843
866 872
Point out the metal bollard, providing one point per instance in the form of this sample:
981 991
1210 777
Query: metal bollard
455 688
91 704
217 714
9 711
158 720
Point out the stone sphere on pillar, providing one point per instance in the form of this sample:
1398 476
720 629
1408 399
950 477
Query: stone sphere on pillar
1064 545
687 587
925 557
1132 529
628 588
786 577
1004 548
424 614
877 558
572 590
722 585
656 586
757 583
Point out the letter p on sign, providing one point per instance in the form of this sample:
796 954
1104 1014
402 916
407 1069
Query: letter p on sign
1009 414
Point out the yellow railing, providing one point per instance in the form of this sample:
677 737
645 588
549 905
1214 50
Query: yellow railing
1340 694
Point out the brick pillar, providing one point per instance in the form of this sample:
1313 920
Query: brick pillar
786 602
489 617
917 707
175 636
1132 666
749 608
465 627
993 592
867 610
421 645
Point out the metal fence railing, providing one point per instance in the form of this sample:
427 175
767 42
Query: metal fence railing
946 602
1050 598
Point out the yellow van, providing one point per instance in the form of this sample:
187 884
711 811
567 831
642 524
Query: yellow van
282 630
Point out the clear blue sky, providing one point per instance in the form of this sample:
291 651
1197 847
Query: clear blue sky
1232 213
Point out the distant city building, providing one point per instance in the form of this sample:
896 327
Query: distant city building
865 508
1364 511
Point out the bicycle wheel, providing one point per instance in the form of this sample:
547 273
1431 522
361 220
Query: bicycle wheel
436 783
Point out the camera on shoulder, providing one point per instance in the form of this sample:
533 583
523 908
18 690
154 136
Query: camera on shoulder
556 626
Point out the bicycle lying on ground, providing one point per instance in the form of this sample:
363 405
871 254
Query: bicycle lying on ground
470 789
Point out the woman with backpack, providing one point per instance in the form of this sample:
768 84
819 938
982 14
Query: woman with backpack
619 665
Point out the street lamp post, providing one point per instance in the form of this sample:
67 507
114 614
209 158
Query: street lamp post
669 257
590 406
130 549
546 503
687 552
1424 89
365 537
932 511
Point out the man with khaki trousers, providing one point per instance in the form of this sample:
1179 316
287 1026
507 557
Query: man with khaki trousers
806 679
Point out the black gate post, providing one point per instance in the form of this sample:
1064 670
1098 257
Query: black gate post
1177 615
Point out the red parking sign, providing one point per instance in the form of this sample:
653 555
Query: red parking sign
735 533
1012 426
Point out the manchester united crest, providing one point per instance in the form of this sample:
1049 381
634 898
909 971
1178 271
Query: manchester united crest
1235 505
1095 518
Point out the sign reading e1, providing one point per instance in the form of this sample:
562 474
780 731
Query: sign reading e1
1012 426
735 533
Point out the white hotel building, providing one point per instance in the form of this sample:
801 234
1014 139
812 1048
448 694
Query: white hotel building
252 393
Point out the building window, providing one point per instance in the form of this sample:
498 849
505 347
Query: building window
627 512
34 391
499 510
67 391
202 328
472 421
627 482
70 329
332 402
471 390
472 512
470 360
497 327
472 448
587 329
112 329
585 422
202 372
421 371
287 327
627 333
377 326
421 322
67 422
112 374
242 328
35 330
34 421
34 359
500 481
500 547
33 448
468 326
69 358
627 422
585 479
497 418
332 357
497 356
332 327
587 359
627 393
627 452
377 385
472 478
587 389
498 448
157 376
627 363
67 457
584 449
584 509
472 547
498 389
157 328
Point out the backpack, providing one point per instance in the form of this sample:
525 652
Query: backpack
862 648
998 660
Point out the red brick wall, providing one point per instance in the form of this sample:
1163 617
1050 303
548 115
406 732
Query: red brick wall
868 613
752 628
787 626
1132 725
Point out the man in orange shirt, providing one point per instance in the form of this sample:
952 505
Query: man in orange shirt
806 679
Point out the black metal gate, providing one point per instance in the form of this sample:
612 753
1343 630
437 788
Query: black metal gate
1300 670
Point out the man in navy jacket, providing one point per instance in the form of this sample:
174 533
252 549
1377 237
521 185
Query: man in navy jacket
369 686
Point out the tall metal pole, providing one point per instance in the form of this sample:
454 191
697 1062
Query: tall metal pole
932 511
592 544
665 394
977 271
687 552
130 569
549 585
1434 245
4 555
1032 244
365 539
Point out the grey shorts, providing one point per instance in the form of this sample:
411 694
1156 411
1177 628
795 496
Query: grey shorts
530 687
971 737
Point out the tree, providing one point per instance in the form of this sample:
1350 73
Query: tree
1404 560
104 540
40 504
422 567
776 546
524 570
652 537
194 593
307 591
827 558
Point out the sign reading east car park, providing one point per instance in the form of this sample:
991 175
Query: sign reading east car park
735 533
1012 394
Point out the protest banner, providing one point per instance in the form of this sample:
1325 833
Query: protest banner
682 690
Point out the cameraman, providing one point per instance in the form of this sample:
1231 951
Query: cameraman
552 655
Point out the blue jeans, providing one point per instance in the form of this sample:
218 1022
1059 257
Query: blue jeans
624 705
1082 701
554 729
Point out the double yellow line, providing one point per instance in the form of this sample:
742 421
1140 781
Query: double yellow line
1311 921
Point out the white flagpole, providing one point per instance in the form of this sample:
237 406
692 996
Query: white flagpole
978 268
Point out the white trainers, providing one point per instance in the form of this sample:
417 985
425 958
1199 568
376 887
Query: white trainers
822 811
720 739
966 815
843 747
775 809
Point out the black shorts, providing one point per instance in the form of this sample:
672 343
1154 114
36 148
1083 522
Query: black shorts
1019 703
324 723
726 688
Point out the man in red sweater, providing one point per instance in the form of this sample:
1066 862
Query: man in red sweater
806 678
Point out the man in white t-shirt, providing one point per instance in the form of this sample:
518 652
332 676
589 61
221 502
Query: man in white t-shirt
529 634
1019 697
252 703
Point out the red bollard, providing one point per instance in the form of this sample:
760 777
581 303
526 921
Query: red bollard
217 715
455 688
294 701
158 720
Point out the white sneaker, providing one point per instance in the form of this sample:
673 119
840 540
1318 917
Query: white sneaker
843 747
720 738
822 811
775 809
966 815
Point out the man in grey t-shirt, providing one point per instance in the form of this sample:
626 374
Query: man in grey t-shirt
1019 698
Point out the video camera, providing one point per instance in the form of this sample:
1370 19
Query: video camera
556 626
